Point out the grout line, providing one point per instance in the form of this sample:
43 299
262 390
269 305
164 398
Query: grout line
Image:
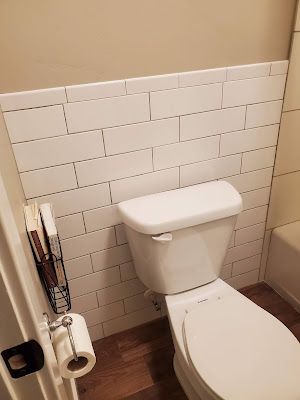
75 175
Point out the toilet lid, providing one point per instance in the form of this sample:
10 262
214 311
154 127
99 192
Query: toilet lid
242 352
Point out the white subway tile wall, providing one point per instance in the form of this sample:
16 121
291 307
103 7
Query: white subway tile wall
85 148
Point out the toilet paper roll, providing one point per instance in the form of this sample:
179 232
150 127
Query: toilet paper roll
69 368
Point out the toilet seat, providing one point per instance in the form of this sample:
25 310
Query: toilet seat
241 352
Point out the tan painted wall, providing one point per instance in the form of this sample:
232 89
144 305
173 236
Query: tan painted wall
52 43
285 194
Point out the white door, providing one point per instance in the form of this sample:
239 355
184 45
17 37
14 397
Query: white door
22 303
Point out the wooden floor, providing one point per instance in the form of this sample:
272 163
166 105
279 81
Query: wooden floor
137 364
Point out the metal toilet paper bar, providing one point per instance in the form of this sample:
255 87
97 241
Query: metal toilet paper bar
66 322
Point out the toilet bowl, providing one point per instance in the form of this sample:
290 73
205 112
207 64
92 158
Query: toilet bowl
226 347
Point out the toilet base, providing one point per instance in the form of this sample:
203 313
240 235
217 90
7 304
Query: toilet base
184 382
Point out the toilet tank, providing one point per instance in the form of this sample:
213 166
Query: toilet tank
179 238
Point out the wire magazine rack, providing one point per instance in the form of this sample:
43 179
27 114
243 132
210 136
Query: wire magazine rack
58 294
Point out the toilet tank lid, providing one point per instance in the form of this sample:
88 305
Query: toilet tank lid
181 208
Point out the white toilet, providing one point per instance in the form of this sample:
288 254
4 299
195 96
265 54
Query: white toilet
226 347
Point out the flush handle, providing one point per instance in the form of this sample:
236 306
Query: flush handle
163 238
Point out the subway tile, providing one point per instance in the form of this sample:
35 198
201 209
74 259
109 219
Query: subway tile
257 90
120 291
248 71
121 234
173 155
141 136
256 198
263 114
36 123
250 139
33 98
113 167
130 320
96 332
151 83
59 150
252 217
96 114
246 265
212 123
279 67
209 170
78 267
243 280
137 302
171 103
243 251
249 234
258 159
231 243
203 77
91 283
73 201
84 303
104 313
287 157
226 271
71 225
142 185
48 180
92 91
111 257
127 271
100 218
88 243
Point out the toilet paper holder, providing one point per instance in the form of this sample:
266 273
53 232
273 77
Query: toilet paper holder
66 322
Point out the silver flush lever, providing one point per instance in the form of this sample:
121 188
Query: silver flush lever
163 238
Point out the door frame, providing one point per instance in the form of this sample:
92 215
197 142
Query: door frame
22 306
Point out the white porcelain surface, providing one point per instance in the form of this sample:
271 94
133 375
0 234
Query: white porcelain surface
256 355
181 208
